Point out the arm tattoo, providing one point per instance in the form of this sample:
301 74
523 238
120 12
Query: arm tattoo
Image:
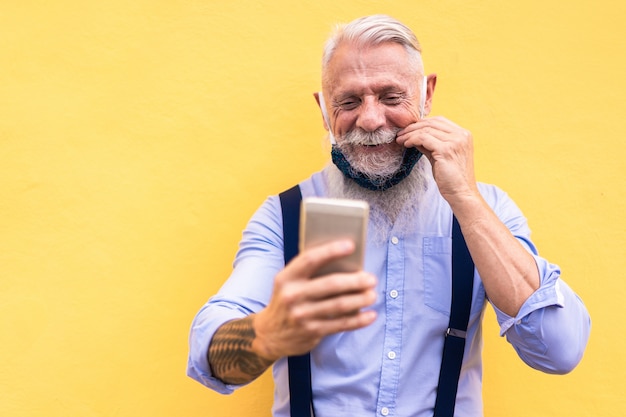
230 353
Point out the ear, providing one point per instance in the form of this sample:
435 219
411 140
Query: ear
317 99
430 91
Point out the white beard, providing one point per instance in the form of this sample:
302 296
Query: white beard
395 208
380 165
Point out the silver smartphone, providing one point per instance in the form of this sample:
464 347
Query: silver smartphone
323 220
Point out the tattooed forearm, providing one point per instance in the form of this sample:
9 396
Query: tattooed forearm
230 353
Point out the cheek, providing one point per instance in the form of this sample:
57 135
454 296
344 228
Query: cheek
399 116
402 116
344 123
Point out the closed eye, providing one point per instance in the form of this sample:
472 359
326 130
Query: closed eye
349 104
392 100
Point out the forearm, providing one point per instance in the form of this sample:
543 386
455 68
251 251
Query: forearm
231 355
508 272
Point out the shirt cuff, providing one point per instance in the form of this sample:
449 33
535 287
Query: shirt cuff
198 365
547 295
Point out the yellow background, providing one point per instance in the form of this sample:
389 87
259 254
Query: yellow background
137 137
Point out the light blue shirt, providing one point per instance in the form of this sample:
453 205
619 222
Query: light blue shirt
391 367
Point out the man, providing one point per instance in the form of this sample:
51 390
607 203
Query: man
385 359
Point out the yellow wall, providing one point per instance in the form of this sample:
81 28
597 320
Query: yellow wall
136 138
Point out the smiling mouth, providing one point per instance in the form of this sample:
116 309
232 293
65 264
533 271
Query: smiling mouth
381 148
375 145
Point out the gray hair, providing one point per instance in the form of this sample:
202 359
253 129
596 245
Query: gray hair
373 30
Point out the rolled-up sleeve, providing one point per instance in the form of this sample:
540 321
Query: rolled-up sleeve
205 324
551 330
247 290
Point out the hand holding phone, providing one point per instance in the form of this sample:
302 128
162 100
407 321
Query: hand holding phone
324 220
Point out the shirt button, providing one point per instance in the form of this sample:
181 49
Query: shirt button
391 355
393 294
394 240
384 411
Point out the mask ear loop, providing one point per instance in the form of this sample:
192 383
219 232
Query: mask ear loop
320 96
423 96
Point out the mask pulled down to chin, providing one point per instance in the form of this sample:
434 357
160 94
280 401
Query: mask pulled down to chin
411 156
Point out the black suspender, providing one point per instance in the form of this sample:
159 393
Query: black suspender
290 205
300 392
454 344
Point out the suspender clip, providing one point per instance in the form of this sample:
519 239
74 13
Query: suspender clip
456 333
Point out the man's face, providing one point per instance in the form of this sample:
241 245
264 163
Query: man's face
371 89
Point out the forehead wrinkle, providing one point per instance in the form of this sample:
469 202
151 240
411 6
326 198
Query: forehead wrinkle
354 68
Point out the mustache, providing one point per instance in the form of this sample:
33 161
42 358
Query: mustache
380 136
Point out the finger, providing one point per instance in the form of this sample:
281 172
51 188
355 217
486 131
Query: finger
431 138
441 123
338 284
438 129
438 122
334 307
344 323
346 305
425 141
310 260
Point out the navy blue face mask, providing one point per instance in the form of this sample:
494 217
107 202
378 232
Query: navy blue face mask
411 156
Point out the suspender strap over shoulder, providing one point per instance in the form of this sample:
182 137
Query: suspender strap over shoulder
454 344
300 391
290 205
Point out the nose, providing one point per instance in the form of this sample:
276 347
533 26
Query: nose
371 115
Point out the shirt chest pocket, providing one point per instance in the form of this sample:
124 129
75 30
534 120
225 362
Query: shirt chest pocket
437 277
